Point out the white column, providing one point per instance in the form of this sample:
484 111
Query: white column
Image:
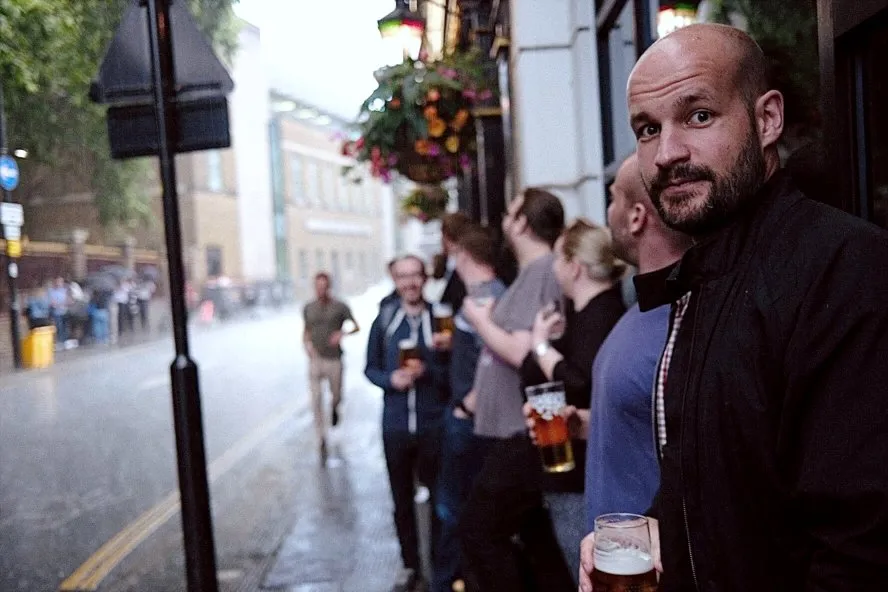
249 110
556 102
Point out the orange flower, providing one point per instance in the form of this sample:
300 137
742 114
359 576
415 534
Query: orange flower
433 95
395 103
437 127
452 144
421 147
460 119
430 112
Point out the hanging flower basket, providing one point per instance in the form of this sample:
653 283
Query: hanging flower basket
425 202
418 121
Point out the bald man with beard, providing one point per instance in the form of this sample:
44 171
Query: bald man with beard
771 397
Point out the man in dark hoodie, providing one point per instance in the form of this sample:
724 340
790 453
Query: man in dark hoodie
414 401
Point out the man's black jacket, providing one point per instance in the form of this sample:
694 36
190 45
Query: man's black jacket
775 470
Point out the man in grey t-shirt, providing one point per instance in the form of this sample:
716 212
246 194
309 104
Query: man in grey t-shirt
497 380
507 497
324 319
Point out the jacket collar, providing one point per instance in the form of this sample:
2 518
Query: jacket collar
718 253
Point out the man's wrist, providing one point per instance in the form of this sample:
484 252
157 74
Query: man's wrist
462 407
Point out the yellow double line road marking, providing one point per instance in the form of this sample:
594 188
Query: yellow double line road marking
88 576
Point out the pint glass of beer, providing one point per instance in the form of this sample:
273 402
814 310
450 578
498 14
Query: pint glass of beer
409 357
623 560
553 438
443 314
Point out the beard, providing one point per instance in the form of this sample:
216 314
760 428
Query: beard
726 194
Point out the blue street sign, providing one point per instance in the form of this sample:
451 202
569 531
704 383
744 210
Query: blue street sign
9 173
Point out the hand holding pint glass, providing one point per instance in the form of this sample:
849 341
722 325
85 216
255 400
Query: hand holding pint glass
443 316
623 555
409 357
548 403
554 312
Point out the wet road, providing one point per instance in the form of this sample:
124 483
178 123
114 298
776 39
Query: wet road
88 472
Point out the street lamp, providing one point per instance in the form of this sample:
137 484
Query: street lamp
674 17
404 28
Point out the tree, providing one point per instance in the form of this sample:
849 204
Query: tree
49 52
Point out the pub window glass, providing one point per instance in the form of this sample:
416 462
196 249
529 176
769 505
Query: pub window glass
874 52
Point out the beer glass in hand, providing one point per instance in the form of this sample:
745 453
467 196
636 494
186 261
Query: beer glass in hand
623 558
550 426
409 357
443 314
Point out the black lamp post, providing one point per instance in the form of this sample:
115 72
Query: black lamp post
404 26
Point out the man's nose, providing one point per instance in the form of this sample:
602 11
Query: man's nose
672 147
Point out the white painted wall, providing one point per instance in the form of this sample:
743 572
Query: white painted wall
249 111
556 102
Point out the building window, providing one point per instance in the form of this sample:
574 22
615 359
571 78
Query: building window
328 186
344 193
320 262
215 181
214 261
312 188
303 265
297 179
349 262
335 270
356 198
362 265
370 191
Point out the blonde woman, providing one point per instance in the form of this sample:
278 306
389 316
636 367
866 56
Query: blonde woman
589 272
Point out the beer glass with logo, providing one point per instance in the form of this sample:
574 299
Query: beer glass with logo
409 357
553 439
443 314
623 560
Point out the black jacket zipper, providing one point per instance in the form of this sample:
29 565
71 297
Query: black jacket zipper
684 394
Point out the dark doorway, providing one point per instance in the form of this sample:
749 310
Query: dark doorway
854 74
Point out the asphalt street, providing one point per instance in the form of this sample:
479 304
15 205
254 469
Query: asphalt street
88 489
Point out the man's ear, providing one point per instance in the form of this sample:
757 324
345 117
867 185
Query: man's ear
520 224
637 218
769 118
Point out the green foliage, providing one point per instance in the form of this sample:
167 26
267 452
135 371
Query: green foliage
787 33
49 52
426 202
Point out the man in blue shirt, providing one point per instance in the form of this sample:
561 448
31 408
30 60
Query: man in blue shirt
622 471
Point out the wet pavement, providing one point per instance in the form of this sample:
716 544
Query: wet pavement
87 464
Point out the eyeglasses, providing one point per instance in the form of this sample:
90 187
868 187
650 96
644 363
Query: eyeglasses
410 276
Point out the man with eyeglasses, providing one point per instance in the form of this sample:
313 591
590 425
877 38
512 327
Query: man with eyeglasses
402 361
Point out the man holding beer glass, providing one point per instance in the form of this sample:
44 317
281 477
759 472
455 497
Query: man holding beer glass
770 395
402 361
507 497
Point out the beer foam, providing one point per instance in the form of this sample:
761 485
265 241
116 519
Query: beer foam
623 561
548 405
